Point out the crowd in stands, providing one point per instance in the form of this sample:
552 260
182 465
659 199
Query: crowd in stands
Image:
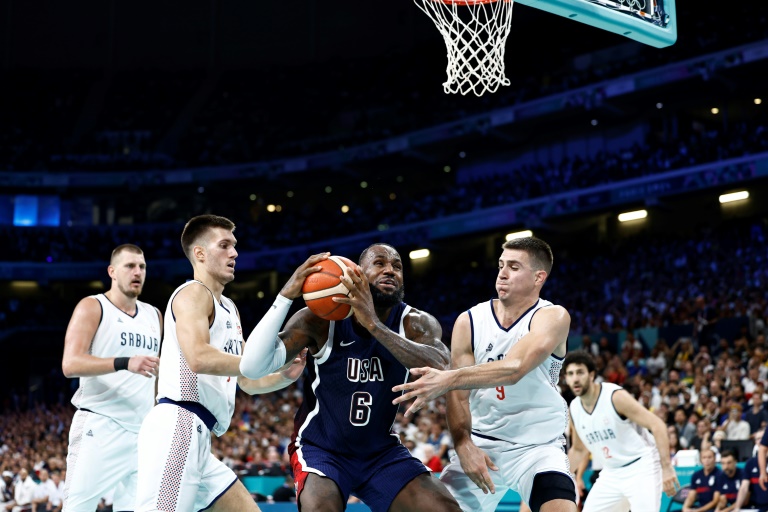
645 281
259 229
705 396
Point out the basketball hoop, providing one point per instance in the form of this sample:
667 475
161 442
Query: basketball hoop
475 34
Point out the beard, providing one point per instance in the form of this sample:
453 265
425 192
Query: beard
386 300
130 292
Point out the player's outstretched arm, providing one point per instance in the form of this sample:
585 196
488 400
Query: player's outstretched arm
474 461
630 408
548 334
420 347
578 456
282 378
193 309
265 352
77 362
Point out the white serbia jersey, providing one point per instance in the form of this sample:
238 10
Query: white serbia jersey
123 396
179 383
529 412
617 442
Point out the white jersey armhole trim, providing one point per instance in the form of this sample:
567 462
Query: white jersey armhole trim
613 406
213 299
101 317
553 356
324 353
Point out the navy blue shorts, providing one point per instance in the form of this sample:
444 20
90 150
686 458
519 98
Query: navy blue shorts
374 478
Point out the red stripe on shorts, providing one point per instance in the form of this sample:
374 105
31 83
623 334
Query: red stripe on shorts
299 475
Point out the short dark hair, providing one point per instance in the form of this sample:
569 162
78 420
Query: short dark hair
729 452
365 251
580 357
537 249
197 226
124 247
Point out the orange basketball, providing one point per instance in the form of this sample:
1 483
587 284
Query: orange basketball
320 288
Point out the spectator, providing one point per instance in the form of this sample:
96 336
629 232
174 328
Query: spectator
23 492
674 443
756 415
749 381
657 363
286 492
431 459
440 440
685 429
44 489
636 365
589 346
55 499
703 438
704 485
6 488
730 480
273 465
735 428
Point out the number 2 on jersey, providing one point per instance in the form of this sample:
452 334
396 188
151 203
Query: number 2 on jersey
606 453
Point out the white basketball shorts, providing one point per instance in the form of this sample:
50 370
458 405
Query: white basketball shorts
101 458
636 487
177 471
518 465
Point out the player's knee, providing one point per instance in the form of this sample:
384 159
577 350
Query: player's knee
550 486
320 495
315 503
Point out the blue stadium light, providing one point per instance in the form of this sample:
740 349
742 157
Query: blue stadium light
25 211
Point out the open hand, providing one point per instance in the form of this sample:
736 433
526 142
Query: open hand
431 384
292 288
296 368
476 463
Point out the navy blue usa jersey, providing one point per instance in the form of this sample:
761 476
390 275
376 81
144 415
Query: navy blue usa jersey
347 405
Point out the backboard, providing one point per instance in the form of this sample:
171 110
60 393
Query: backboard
652 22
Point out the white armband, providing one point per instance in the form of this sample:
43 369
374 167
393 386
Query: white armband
265 352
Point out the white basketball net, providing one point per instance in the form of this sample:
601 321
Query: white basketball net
475 34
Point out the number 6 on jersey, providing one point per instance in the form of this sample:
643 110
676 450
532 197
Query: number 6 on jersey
360 410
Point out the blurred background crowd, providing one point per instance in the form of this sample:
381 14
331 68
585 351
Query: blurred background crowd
331 141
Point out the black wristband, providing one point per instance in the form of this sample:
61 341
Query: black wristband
121 363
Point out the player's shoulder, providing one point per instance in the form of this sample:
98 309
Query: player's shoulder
574 403
194 294
550 313
146 305
306 321
419 314
90 304
194 289
420 320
